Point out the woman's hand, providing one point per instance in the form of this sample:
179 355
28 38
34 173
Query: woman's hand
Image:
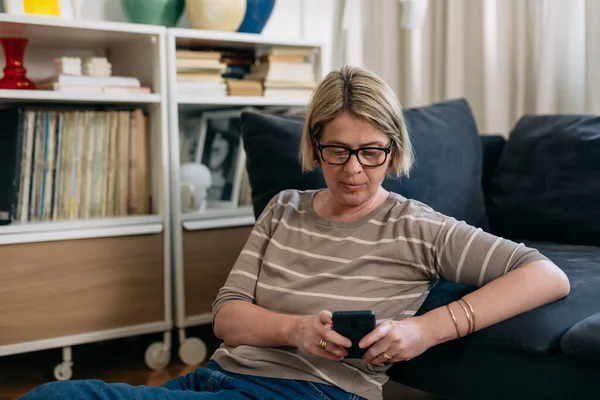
316 328
398 340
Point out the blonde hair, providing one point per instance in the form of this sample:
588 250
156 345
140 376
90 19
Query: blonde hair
364 95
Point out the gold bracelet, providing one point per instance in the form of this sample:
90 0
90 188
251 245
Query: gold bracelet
454 320
468 314
472 312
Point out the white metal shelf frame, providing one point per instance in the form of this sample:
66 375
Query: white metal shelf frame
124 39
192 350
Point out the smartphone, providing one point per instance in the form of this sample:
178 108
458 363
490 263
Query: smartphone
354 325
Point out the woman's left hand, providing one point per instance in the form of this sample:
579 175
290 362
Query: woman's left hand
399 340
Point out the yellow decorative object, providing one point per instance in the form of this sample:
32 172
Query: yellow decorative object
218 15
42 7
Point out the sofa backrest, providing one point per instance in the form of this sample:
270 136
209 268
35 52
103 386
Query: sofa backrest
545 185
446 174
541 184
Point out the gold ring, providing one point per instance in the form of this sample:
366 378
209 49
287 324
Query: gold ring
387 357
323 344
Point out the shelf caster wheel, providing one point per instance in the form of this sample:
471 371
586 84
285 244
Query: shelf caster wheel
157 356
63 371
192 351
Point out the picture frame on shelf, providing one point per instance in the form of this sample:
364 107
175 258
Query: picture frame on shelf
52 8
220 148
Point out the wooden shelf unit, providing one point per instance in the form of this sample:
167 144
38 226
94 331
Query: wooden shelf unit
71 282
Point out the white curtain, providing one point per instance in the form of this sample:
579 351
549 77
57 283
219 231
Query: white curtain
507 57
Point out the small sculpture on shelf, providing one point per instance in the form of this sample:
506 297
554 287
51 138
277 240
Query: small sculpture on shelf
75 66
67 66
14 71
97 66
92 74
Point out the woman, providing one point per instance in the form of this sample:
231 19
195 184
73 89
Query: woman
352 246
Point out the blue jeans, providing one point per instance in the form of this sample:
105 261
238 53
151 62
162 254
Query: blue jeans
210 382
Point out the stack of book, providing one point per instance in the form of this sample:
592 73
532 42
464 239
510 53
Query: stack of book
239 66
286 73
78 164
95 84
239 63
200 73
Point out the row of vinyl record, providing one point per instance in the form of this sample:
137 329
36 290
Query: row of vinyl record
63 165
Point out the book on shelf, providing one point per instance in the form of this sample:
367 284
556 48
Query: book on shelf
75 164
199 72
239 63
244 87
286 73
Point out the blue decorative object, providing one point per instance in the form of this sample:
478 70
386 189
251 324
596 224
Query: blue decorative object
258 13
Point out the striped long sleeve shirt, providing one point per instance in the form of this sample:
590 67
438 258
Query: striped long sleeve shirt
296 262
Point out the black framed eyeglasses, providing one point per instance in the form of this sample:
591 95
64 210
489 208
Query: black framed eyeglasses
367 156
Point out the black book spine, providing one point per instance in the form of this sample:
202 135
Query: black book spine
11 139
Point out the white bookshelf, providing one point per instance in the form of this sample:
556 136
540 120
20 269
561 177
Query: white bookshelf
205 225
65 255
138 260
121 42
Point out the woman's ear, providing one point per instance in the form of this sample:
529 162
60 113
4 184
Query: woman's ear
316 158
316 155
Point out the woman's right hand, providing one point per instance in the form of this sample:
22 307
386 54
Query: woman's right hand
315 328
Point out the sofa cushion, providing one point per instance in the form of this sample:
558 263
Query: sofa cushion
583 339
271 144
540 330
448 161
446 175
547 183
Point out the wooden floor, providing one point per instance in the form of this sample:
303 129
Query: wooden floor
117 361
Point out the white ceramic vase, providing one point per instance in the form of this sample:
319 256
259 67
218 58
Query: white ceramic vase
217 15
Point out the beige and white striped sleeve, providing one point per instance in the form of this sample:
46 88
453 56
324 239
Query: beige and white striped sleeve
469 255
241 282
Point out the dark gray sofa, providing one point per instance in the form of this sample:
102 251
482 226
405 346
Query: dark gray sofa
541 187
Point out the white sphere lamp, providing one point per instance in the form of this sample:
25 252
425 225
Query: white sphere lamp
194 180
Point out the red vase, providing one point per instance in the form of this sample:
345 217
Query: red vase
14 72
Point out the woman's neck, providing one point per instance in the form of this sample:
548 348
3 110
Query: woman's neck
327 207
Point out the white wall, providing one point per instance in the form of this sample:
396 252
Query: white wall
285 22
